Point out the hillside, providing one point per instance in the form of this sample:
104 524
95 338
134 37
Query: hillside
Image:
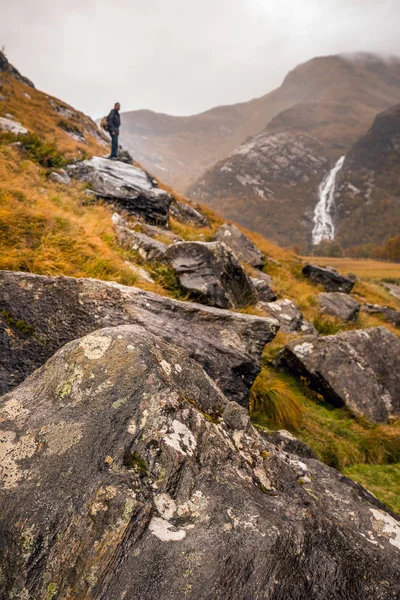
270 183
130 388
180 149
368 192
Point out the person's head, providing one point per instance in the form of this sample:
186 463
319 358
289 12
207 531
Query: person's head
117 106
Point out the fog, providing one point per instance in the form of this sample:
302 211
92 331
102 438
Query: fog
182 57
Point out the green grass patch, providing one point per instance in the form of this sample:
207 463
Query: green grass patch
43 153
382 480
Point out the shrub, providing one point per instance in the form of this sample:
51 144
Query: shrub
45 154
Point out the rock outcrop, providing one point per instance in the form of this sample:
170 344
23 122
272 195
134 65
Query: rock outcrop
212 273
358 369
7 67
11 126
329 278
240 244
148 248
394 290
129 186
188 214
339 305
40 314
390 315
288 315
120 479
264 292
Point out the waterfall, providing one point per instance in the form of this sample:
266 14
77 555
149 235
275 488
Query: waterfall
323 223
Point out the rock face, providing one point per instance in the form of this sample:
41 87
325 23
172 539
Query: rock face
11 126
7 67
227 345
288 315
129 186
121 480
358 369
329 278
264 292
147 247
389 314
212 273
187 214
240 244
339 305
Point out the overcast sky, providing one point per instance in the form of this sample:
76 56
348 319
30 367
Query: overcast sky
182 56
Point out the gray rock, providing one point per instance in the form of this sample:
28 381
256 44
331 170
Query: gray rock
212 273
339 305
147 247
10 126
358 369
329 278
236 417
245 249
7 67
154 231
287 442
390 315
288 315
140 272
394 290
120 481
60 177
187 214
40 314
264 292
129 186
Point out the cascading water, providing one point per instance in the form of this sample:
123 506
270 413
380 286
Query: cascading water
323 223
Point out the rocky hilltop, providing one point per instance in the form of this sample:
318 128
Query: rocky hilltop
183 400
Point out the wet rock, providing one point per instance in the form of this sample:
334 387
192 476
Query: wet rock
148 248
358 369
60 176
329 278
188 214
288 315
245 249
264 292
390 315
39 314
121 481
212 273
125 184
339 305
10 126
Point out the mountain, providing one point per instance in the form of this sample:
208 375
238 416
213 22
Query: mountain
368 190
181 149
270 183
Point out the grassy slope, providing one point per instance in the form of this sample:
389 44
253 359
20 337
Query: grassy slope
53 229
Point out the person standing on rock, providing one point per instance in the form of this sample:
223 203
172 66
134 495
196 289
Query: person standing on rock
113 124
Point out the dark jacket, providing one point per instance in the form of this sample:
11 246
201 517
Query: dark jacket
114 121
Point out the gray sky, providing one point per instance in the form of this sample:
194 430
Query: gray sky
182 56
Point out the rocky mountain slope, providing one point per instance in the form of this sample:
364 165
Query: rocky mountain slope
154 443
368 193
336 95
271 182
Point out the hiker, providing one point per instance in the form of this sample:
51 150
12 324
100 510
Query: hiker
113 125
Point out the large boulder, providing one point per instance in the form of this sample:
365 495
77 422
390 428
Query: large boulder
339 305
358 369
329 278
120 480
40 314
130 187
212 273
288 315
245 249
391 315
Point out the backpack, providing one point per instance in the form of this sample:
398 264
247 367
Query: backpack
104 124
